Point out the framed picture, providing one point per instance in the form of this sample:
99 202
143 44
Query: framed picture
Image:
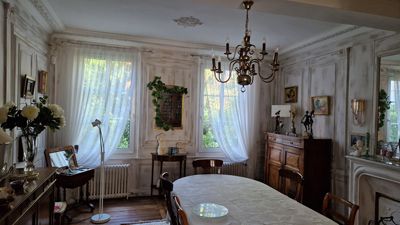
42 87
291 94
355 137
320 105
28 86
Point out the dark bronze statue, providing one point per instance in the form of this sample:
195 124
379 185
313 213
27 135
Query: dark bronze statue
307 121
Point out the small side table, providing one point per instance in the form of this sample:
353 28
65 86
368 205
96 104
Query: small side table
181 158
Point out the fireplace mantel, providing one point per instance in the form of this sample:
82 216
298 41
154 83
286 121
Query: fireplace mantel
371 168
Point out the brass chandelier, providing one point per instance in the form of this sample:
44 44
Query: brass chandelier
246 63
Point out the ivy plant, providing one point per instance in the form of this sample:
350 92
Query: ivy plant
158 89
383 106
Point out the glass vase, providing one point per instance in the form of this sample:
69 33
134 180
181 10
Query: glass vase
30 150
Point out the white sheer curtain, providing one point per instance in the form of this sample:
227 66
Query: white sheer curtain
94 83
232 114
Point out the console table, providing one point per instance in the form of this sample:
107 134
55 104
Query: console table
181 158
36 205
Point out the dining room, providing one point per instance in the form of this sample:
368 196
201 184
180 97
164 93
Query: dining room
199 112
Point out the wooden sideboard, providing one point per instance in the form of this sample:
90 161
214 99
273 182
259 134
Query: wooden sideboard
310 157
36 205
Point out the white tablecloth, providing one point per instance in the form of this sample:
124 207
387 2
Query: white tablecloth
249 202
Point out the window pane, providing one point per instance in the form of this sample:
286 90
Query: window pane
219 102
116 71
125 139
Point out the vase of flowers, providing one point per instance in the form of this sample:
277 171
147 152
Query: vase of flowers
32 120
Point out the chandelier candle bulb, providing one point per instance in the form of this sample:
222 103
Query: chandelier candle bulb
213 62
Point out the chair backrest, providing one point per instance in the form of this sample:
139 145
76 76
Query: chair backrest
182 217
343 217
58 156
166 187
293 188
207 165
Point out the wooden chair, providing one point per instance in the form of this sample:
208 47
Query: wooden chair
182 217
166 187
207 165
293 188
340 217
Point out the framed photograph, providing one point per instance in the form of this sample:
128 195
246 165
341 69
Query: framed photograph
42 87
320 105
355 137
291 94
28 86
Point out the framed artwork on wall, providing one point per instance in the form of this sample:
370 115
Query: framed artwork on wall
28 86
291 94
356 137
42 87
320 105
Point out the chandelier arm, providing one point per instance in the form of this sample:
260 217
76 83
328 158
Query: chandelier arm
224 81
234 53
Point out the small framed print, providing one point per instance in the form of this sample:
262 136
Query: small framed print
357 137
42 87
28 86
291 94
320 105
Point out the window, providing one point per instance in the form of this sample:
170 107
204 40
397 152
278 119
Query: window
218 101
116 71
393 131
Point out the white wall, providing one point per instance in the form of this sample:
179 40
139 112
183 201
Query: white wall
26 53
343 69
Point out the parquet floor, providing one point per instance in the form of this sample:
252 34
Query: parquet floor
123 211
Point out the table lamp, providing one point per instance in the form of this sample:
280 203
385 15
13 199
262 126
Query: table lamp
279 111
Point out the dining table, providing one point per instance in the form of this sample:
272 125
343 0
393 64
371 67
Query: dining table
248 202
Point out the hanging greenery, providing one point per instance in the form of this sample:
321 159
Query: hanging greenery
383 106
159 89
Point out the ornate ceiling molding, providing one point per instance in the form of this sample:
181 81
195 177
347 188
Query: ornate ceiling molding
188 21
48 13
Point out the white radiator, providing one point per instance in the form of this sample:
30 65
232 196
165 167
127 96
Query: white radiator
237 169
115 182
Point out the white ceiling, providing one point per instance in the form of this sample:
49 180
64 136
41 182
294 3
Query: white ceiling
220 18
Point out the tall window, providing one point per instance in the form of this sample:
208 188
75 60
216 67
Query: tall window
218 98
115 71
228 120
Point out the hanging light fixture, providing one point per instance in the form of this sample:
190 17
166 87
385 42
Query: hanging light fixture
244 60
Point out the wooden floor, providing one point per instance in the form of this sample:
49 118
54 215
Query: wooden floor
124 211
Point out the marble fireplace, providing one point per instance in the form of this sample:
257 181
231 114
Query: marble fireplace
374 184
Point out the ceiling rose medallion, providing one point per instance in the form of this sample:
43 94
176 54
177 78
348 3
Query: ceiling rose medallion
188 21
245 60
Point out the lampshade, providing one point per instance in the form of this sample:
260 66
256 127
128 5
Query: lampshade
284 110
5 139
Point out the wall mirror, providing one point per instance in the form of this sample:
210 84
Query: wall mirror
389 105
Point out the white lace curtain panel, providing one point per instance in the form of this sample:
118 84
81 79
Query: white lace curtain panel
233 115
94 83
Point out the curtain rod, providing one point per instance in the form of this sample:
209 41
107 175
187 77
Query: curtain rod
107 45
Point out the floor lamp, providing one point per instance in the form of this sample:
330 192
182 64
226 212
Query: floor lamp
100 217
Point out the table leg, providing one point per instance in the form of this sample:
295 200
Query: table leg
184 167
180 168
161 166
152 173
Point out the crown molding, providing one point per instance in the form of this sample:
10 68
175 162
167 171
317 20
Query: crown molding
45 14
123 40
327 36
